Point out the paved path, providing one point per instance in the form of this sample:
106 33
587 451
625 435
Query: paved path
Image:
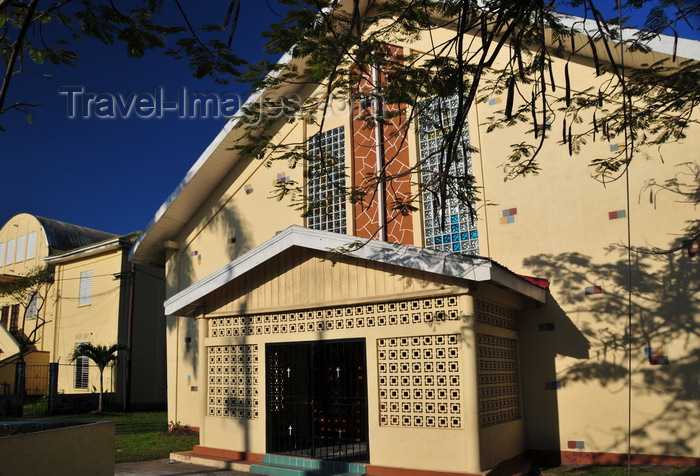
167 466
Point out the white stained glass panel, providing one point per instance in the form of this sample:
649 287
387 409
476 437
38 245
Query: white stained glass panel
326 172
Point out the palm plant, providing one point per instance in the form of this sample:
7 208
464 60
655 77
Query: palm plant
101 355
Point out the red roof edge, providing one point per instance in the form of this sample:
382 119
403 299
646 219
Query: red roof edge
539 282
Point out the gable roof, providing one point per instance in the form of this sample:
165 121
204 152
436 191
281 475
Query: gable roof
456 265
218 159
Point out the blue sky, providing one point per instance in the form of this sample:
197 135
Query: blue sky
111 174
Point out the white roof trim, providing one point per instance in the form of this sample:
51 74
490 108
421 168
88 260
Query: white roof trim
448 264
204 157
686 47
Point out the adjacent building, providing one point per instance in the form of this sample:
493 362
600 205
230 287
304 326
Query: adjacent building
91 294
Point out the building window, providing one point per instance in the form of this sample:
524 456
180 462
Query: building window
31 245
5 316
456 231
20 249
10 251
85 294
32 308
14 318
82 365
326 181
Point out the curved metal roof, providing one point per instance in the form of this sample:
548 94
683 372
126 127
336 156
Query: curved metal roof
64 236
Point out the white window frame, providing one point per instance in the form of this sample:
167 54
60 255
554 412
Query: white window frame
82 372
85 290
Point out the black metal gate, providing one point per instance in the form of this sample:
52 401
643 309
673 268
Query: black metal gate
317 400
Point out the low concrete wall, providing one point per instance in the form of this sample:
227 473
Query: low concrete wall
86 448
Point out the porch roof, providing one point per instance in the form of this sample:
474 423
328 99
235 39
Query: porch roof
472 268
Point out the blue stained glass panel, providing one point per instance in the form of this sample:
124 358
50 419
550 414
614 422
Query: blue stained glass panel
435 117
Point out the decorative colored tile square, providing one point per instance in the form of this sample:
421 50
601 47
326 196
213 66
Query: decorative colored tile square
505 220
594 290
281 178
579 445
648 351
509 212
248 188
617 214
658 351
571 445
194 253
658 360
616 147
494 101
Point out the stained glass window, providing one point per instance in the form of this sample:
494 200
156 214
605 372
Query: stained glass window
457 232
326 181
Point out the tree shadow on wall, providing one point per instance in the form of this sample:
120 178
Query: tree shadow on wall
662 338
228 224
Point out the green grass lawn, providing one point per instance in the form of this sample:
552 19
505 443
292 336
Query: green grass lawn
595 470
140 436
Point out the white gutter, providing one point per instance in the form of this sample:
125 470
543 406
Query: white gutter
204 157
87 251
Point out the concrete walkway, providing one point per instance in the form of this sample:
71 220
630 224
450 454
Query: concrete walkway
168 466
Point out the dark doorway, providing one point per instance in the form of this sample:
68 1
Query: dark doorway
317 400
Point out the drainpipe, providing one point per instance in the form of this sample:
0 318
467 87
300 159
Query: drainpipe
379 150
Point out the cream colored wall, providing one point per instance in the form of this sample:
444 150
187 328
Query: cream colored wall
96 323
19 227
562 232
